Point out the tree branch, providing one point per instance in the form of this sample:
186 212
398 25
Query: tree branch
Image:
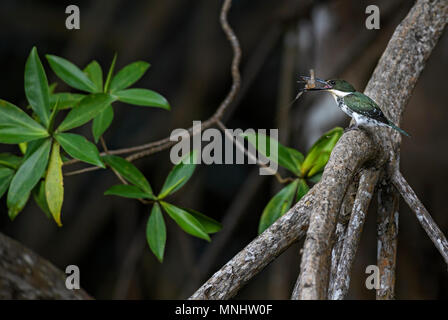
387 234
349 154
250 154
315 266
366 188
390 86
163 144
341 227
232 218
25 275
425 219
226 282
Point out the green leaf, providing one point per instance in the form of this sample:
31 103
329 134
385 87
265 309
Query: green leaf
186 221
65 100
302 189
22 146
9 160
32 146
142 97
26 178
80 148
296 157
319 153
36 87
13 212
53 115
52 87
70 73
88 108
156 232
6 175
95 74
129 172
110 73
41 199
101 122
288 158
179 175
127 191
16 126
208 224
277 206
128 75
54 185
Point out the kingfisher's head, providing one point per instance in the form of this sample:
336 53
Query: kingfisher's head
340 85
333 85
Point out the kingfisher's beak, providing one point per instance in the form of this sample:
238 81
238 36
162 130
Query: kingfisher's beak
319 84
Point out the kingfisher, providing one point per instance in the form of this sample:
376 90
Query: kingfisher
355 104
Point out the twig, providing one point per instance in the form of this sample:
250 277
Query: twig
163 144
423 216
366 188
84 170
387 233
250 154
103 144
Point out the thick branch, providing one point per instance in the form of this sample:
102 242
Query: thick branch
226 282
25 275
425 219
390 86
341 227
366 188
355 148
319 239
387 233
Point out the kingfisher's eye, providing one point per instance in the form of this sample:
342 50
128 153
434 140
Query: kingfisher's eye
332 82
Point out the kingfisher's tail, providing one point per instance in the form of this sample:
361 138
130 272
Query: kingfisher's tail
399 129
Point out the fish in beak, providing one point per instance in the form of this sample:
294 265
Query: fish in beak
313 84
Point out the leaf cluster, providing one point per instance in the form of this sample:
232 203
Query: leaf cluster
45 143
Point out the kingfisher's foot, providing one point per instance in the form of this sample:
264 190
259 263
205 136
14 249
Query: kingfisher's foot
352 127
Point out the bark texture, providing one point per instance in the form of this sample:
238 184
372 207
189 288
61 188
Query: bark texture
387 234
341 228
25 275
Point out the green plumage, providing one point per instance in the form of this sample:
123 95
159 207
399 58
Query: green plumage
363 105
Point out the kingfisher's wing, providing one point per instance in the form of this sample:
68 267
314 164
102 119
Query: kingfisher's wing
362 104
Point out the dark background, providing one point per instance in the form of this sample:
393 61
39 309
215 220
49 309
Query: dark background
190 60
